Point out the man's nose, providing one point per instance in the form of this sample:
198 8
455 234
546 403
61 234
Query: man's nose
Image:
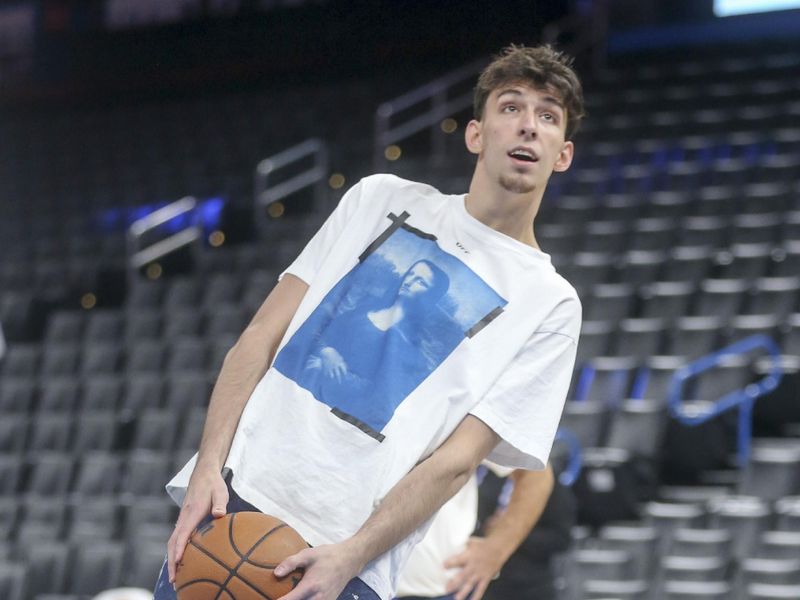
527 125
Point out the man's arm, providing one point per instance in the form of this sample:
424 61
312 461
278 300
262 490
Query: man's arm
409 503
484 556
242 369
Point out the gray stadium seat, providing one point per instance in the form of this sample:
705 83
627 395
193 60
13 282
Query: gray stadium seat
101 392
145 356
51 432
142 391
60 358
156 429
17 394
96 430
639 540
47 562
12 581
98 474
11 470
146 473
13 432
104 325
96 567
746 517
59 394
20 360
50 474
99 357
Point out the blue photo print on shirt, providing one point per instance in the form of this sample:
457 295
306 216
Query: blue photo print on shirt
387 325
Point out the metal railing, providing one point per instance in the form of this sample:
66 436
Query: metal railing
743 398
570 474
139 257
266 193
436 95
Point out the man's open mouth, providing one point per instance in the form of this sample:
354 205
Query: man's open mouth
523 154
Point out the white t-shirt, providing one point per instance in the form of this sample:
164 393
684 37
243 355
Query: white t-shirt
416 315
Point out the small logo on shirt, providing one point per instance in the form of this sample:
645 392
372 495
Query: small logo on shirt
462 248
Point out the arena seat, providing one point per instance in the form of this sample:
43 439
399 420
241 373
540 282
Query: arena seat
59 394
95 567
47 562
696 590
182 321
51 432
687 263
98 474
639 540
50 474
96 430
142 390
101 392
609 302
156 429
640 267
142 324
12 580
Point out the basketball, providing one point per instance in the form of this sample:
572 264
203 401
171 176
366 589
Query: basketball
232 558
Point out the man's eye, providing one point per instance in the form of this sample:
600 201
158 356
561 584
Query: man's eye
509 108
548 117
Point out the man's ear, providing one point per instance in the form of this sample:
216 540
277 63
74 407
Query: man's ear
564 159
473 137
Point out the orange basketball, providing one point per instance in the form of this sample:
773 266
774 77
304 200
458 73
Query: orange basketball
232 558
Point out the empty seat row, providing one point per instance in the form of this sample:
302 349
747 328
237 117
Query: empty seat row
148 428
130 395
94 473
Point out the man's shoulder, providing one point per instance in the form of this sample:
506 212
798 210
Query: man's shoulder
392 183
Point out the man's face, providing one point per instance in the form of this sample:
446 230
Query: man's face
520 139
418 280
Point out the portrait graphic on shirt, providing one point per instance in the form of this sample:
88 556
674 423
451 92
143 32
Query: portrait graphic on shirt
386 326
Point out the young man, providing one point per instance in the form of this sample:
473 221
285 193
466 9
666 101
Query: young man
356 434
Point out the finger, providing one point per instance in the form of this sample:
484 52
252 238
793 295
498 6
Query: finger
171 558
456 561
219 502
290 563
301 592
456 583
177 545
480 590
463 591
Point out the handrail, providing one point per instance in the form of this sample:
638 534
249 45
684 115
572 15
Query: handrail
138 257
573 469
315 175
743 398
436 92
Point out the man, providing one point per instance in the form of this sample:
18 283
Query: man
483 371
450 563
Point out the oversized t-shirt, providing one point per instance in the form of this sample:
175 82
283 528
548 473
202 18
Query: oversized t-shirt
416 315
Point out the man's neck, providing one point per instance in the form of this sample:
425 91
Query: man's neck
506 212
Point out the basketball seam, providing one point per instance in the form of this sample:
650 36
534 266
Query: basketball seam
227 568
246 555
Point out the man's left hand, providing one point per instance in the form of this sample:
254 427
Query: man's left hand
480 562
328 569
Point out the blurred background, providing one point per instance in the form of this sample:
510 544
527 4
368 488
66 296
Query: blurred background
162 160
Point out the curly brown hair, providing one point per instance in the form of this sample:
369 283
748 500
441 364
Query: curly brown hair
541 67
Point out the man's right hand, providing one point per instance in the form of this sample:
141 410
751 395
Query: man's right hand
206 494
